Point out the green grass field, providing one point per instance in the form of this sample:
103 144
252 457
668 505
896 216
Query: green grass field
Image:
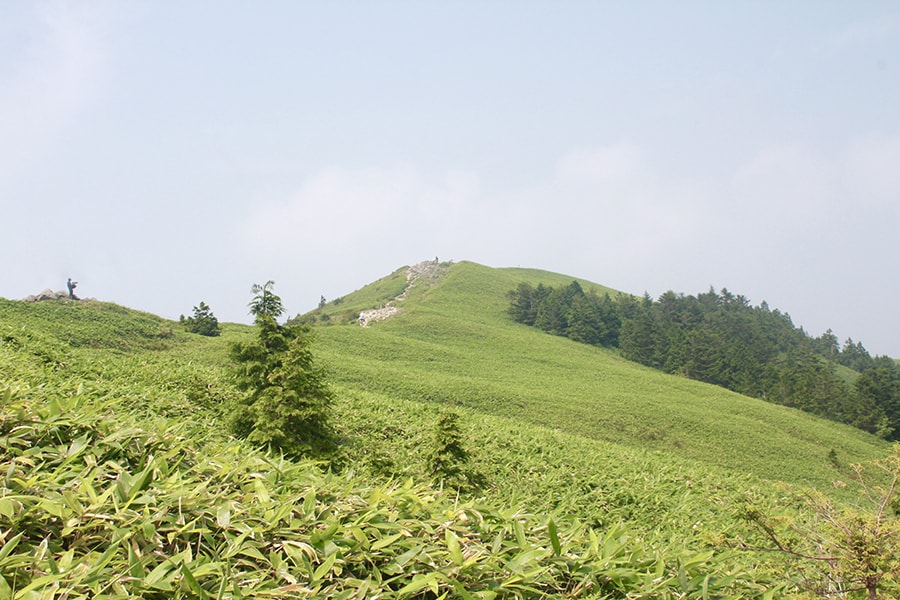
453 344
602 478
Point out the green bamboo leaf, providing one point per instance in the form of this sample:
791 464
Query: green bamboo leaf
235 544
386 541
160 576
419 583
325 568
523 559
51 562
359 535
5 590
85 485
123 485
325 535
8 507
192 582
53 408
10 472
453 547
140 482
223 515
309 504
207 569
135 568
462 592
262 492
401 561
252 552
57 509
554 537
100 564
38 583
520 534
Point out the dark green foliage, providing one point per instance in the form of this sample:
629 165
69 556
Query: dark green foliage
203 322
524 302
286 400
881 387
805 381
855 356
827 345
718 338
265 302
643 340
448 460
570 312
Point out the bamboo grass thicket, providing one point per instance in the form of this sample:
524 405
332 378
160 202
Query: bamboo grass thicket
101 509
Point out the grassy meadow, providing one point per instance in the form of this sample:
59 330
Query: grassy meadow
453 344
601 478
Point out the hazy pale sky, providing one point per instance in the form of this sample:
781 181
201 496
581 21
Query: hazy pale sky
164 153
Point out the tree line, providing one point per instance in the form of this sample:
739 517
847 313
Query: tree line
719 338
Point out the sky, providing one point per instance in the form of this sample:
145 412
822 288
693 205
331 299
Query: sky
167 153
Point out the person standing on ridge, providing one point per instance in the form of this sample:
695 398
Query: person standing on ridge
72 285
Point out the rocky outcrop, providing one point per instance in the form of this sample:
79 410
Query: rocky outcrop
428 272
47 294
367 317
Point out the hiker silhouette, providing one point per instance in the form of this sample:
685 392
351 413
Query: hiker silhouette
72 285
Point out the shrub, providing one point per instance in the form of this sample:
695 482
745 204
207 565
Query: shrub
204 322
448 460
287 400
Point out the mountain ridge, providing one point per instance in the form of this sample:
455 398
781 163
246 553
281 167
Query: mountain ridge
453 344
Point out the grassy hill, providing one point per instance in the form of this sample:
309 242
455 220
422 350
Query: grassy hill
453 344
602 478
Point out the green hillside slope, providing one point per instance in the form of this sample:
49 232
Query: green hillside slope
601 478
452 343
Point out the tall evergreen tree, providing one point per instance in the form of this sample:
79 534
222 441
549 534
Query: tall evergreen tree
855 356
585 320
881 386
286 401
642 339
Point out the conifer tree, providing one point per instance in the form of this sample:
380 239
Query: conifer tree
286 400
449 461
203 322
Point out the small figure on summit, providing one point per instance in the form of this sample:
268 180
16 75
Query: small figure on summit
72 285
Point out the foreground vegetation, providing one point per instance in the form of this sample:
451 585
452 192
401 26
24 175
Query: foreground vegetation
101 507
587 475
